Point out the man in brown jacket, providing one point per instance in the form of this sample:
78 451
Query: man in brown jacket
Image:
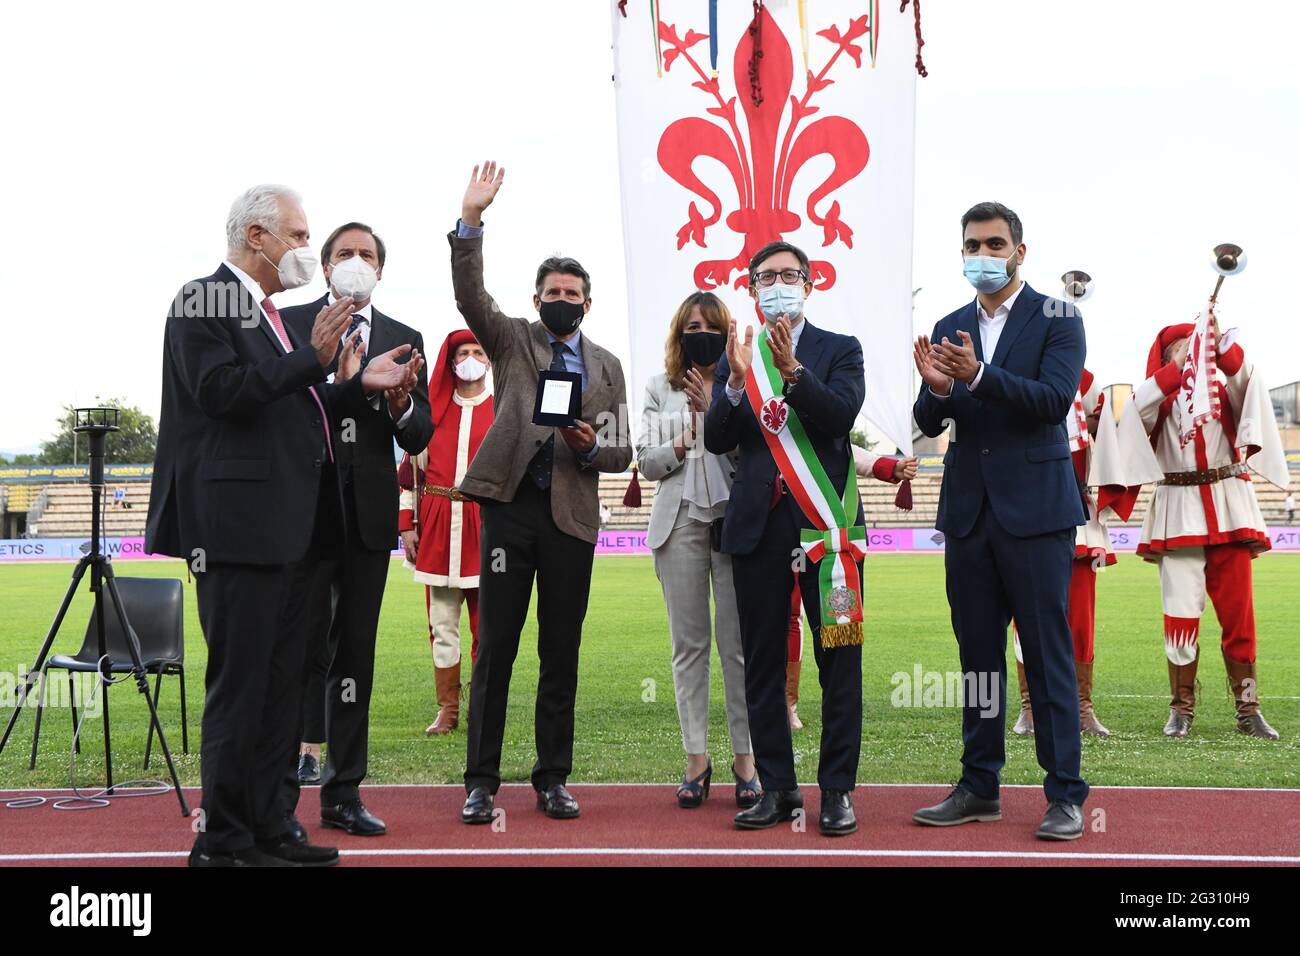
540 512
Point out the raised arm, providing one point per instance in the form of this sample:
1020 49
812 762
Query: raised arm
480 310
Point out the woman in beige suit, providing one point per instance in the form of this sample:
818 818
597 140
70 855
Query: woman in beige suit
691 497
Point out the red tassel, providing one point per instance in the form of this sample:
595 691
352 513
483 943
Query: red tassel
632 497
406 474
903 500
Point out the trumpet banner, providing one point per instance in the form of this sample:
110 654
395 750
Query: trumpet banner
738 124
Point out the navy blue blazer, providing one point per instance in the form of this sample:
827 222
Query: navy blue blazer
827 399
1009 440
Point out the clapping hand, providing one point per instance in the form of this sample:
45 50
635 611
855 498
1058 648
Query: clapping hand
739 355
781 343
328 328
922 355
384 371
354 351
957 361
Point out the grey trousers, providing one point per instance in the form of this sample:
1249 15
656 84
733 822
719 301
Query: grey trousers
685 566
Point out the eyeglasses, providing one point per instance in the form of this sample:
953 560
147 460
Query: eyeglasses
788 277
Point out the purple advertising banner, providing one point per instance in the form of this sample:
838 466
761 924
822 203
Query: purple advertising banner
900 540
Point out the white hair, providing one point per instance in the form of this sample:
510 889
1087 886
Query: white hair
258 206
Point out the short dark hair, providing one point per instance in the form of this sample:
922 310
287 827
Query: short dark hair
988 211
771 249
565 266
328 249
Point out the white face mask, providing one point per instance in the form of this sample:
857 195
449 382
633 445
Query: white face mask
353 277
296 266
470 369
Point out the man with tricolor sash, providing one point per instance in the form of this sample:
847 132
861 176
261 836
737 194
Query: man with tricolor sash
788 398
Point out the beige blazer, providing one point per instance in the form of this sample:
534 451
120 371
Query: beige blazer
662 421
518 350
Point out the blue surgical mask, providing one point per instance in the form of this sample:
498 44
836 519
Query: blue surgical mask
780 299
987 273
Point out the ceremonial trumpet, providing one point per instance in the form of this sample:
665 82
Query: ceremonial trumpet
1229 259
1076 283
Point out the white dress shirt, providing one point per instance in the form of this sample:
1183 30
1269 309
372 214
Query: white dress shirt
734 395
990 328
368 314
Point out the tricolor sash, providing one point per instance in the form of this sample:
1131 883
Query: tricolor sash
839 586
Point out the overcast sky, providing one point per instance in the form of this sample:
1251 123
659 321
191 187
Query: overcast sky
1130 137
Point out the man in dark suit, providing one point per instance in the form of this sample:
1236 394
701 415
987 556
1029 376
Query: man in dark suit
341 652
823 384
537 487
244 490
1004 369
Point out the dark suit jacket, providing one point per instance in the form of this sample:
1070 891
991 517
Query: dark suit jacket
1009 442
240 442
368 460
827 400
518 350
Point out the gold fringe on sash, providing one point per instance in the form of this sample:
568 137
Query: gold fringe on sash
841 635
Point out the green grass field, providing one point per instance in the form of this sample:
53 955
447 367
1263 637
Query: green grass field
626 717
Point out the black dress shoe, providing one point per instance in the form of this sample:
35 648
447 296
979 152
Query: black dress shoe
294 831
837 817
960 806
302 854
773 807
478 806
250 857
308 769
557 802
352 817
1063 821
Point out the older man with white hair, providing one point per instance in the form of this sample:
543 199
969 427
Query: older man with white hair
245 490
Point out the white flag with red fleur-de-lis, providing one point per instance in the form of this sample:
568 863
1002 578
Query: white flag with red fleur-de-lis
750 129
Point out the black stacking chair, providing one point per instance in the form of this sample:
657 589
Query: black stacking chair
156 609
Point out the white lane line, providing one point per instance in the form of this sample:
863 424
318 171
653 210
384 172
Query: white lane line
702 852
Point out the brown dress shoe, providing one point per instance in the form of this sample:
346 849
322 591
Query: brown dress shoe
1088 721
1182 705
1245 694
1025 722
447 681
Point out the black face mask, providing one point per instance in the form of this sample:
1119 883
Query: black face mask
561 317
703 348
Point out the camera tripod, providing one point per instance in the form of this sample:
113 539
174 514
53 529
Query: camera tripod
96 424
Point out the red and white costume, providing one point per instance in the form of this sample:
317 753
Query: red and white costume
1203 525
1093 448
447 559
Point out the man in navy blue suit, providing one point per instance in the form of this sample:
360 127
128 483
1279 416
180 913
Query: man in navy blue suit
823 384
1003 370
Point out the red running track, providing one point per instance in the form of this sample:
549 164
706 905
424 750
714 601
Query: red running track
641 825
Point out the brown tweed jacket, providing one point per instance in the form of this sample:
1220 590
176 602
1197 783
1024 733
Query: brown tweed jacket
518 350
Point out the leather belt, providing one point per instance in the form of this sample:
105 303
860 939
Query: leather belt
455 494
1206 476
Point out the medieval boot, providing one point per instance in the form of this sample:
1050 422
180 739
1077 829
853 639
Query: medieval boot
447 681
1025 722
792 693
1182 706
1245 692
1088 721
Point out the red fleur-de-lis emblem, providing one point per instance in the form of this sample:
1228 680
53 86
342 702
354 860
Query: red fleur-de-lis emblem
774 415
763 163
